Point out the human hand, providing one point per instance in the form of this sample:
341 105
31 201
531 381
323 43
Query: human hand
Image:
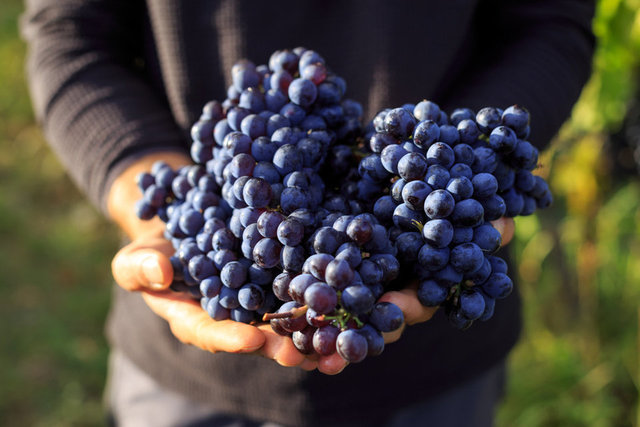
144 266
407 299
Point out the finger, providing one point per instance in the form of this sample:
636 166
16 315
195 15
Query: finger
393 336
309 365
407 301
135 269
192 325
506 227
280 348
332 364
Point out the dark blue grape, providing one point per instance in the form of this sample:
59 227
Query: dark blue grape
460 169
371 167
485 160
293 258
358 299
467 213
406 218
217 311
468 131
464 154
466 258
439 204
408 245
390 156
379 141
251 296
414 194
427 110
298 285
144 210
351 346
482 274
488 119
228 298
350 253
233 274
327 240
517 118
201 267
321 298
447 276
281 284
375 340
253 100
498 286
210 286
440 154
370 272
222 257
266 253
412 166
489 306
525 156
460 188
487 238
302 92
339 274
460 114
471 304
438 232
426 133
502 140
431 294
386 317
437 177
432 258
399 123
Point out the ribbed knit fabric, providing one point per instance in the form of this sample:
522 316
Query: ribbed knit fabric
112 79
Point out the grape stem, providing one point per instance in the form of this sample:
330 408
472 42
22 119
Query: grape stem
294 313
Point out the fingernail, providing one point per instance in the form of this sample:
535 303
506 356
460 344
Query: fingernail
152 271
156 286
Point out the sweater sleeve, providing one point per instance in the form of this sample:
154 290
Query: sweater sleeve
535 53
88 89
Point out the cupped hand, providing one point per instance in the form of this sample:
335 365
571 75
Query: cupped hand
144 266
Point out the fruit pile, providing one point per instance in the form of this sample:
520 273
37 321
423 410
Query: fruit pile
288 216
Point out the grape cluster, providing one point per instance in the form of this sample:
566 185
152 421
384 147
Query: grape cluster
259 218
288 216
439 181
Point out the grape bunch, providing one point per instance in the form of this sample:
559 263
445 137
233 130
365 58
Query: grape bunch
288 216
259 218
438 181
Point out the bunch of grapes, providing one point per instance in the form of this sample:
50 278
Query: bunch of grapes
258 219
286 217
440 180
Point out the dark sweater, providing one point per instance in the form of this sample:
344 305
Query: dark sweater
112 79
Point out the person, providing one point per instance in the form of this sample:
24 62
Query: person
117 84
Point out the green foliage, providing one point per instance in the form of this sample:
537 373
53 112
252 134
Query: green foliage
55 267
577 363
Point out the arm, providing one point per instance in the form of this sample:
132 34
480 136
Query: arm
533 53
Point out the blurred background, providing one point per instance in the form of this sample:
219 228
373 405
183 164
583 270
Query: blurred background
579 261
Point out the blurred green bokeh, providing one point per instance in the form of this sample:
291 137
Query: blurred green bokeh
579 262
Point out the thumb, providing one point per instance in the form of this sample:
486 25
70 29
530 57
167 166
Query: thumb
136 269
